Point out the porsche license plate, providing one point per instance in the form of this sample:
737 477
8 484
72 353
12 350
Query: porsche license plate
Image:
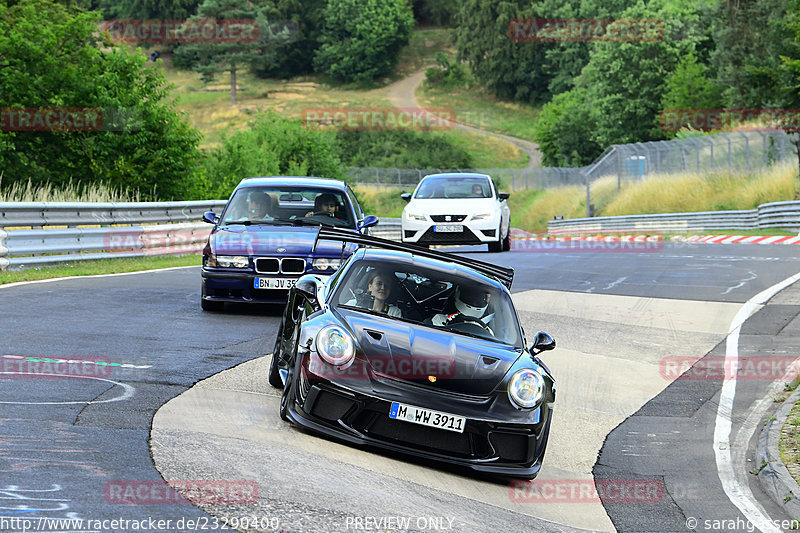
427 417
274 283
448 228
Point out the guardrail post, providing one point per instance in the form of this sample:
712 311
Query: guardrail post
3 250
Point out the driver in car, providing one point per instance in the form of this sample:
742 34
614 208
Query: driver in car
324 205
469 304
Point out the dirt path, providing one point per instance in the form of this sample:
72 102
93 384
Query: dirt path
401 94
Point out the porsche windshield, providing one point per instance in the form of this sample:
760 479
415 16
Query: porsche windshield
432 298
288 205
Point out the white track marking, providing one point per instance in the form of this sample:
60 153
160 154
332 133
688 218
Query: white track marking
51 280
127 392
738 491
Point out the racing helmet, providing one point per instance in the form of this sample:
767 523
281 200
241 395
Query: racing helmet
471 301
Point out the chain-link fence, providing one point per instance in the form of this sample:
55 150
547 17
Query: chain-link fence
737 151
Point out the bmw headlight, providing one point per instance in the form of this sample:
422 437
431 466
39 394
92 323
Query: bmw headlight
526 388
335 345
415 216
481 216
324 263
228 261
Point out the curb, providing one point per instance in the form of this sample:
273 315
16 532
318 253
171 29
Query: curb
518 234
774 477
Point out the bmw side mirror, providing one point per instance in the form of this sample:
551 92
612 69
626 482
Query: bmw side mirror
503 196
210 217
406 196
369 220
542 342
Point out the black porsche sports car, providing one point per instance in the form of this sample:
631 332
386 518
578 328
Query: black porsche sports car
419 352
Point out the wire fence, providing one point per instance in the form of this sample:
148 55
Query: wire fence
734 152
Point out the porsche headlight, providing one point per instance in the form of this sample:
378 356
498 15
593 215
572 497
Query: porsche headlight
526 388
415 216
481 216
228 261
335 345
324 263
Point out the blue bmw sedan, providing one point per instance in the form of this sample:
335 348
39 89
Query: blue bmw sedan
265 238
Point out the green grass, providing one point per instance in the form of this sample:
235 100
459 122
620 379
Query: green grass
477 108
789 443
101 266
488 151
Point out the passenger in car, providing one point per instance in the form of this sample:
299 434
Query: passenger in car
259 206
379 289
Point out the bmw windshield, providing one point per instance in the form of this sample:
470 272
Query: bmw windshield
288 206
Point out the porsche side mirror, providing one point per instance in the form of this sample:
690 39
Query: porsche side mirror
210 217
542 342
406 196
503 196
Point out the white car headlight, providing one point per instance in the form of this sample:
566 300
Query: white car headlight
526 388
335 345
481 216
415 216
323 263
228 261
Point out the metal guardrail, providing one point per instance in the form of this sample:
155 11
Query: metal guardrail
40 233
783 215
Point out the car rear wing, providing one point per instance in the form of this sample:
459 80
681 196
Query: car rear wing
502 274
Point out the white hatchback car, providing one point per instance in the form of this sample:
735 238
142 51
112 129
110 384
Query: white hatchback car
457 208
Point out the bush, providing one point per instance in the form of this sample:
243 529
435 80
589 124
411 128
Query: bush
361 38
273 145
447 75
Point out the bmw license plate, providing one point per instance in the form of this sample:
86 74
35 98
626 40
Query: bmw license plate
448 228
427 417
274 283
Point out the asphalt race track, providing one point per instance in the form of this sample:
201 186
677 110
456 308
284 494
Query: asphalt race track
140 394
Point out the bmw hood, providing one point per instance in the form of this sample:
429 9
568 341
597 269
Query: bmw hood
273 240
428 356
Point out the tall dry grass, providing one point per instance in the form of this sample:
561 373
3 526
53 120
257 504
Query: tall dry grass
712 192
72 192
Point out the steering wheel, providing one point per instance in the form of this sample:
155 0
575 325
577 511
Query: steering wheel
469 324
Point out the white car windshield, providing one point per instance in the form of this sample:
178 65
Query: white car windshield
454 188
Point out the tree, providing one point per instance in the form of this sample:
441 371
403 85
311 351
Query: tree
750 38
508 69
213 55
273 145
51 60
689 87
147 9
564 128
361 38
296 55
